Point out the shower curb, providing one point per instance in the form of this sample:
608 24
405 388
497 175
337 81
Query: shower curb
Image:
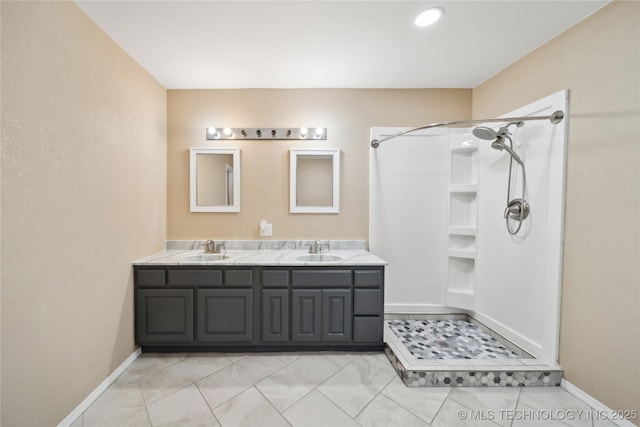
495 377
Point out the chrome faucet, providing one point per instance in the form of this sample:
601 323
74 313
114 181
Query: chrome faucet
212 248
315 247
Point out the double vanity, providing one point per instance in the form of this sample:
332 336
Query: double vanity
260 296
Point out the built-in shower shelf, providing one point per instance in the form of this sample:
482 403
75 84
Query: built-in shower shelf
464 149
463 220
462 231
462 253
461 291
463 188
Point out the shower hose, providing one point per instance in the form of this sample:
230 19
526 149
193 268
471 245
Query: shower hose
517 209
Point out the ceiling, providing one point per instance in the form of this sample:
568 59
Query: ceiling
330 44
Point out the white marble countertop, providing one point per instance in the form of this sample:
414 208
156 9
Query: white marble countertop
261 257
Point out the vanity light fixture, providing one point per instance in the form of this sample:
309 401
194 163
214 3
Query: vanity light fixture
429 17
316 133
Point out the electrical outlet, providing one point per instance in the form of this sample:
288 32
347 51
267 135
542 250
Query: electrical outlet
266 230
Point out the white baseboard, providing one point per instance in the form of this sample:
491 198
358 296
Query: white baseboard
421 309
595 404
79 410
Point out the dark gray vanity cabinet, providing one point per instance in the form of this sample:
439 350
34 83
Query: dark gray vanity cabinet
164 315
224 315
306 316
275 315
368 305
275 305
194 305
234 308
321 315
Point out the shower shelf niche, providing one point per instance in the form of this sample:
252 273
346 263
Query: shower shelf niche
462 231
463 188
463 213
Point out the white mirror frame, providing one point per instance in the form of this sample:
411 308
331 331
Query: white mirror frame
293 169
193 153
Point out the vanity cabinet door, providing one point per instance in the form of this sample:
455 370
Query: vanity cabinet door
275 315
225 315
336 315
164 316
321 315
306 315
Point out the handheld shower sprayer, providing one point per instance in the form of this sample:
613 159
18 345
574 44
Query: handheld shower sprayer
500 145
517 208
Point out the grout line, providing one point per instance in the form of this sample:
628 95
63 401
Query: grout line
146 407
337 406
441 405
517 403
271 404
206 402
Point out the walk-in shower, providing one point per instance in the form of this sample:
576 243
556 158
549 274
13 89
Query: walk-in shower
436 216
517 209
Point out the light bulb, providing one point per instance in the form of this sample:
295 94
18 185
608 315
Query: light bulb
429 16
319 132
228 132
303 132
213 132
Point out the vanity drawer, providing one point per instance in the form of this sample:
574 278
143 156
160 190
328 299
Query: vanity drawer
241 278
367 301
194 277
367 329
308 278
367 278
150 277
275 278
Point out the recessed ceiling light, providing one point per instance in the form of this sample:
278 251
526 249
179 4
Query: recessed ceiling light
429 16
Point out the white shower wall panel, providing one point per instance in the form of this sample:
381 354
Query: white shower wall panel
518 277
408 218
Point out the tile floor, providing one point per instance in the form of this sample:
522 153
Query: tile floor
312 389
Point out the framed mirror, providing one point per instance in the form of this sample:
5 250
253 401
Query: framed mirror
314 180
214 179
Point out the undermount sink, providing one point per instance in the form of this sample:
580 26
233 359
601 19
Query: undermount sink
319 258
204 257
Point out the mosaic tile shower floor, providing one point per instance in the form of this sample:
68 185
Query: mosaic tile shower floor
448 339
455 350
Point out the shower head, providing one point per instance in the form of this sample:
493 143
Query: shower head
486 133
498 138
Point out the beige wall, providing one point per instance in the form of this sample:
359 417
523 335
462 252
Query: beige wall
83 191
348 115
599 61
314 181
